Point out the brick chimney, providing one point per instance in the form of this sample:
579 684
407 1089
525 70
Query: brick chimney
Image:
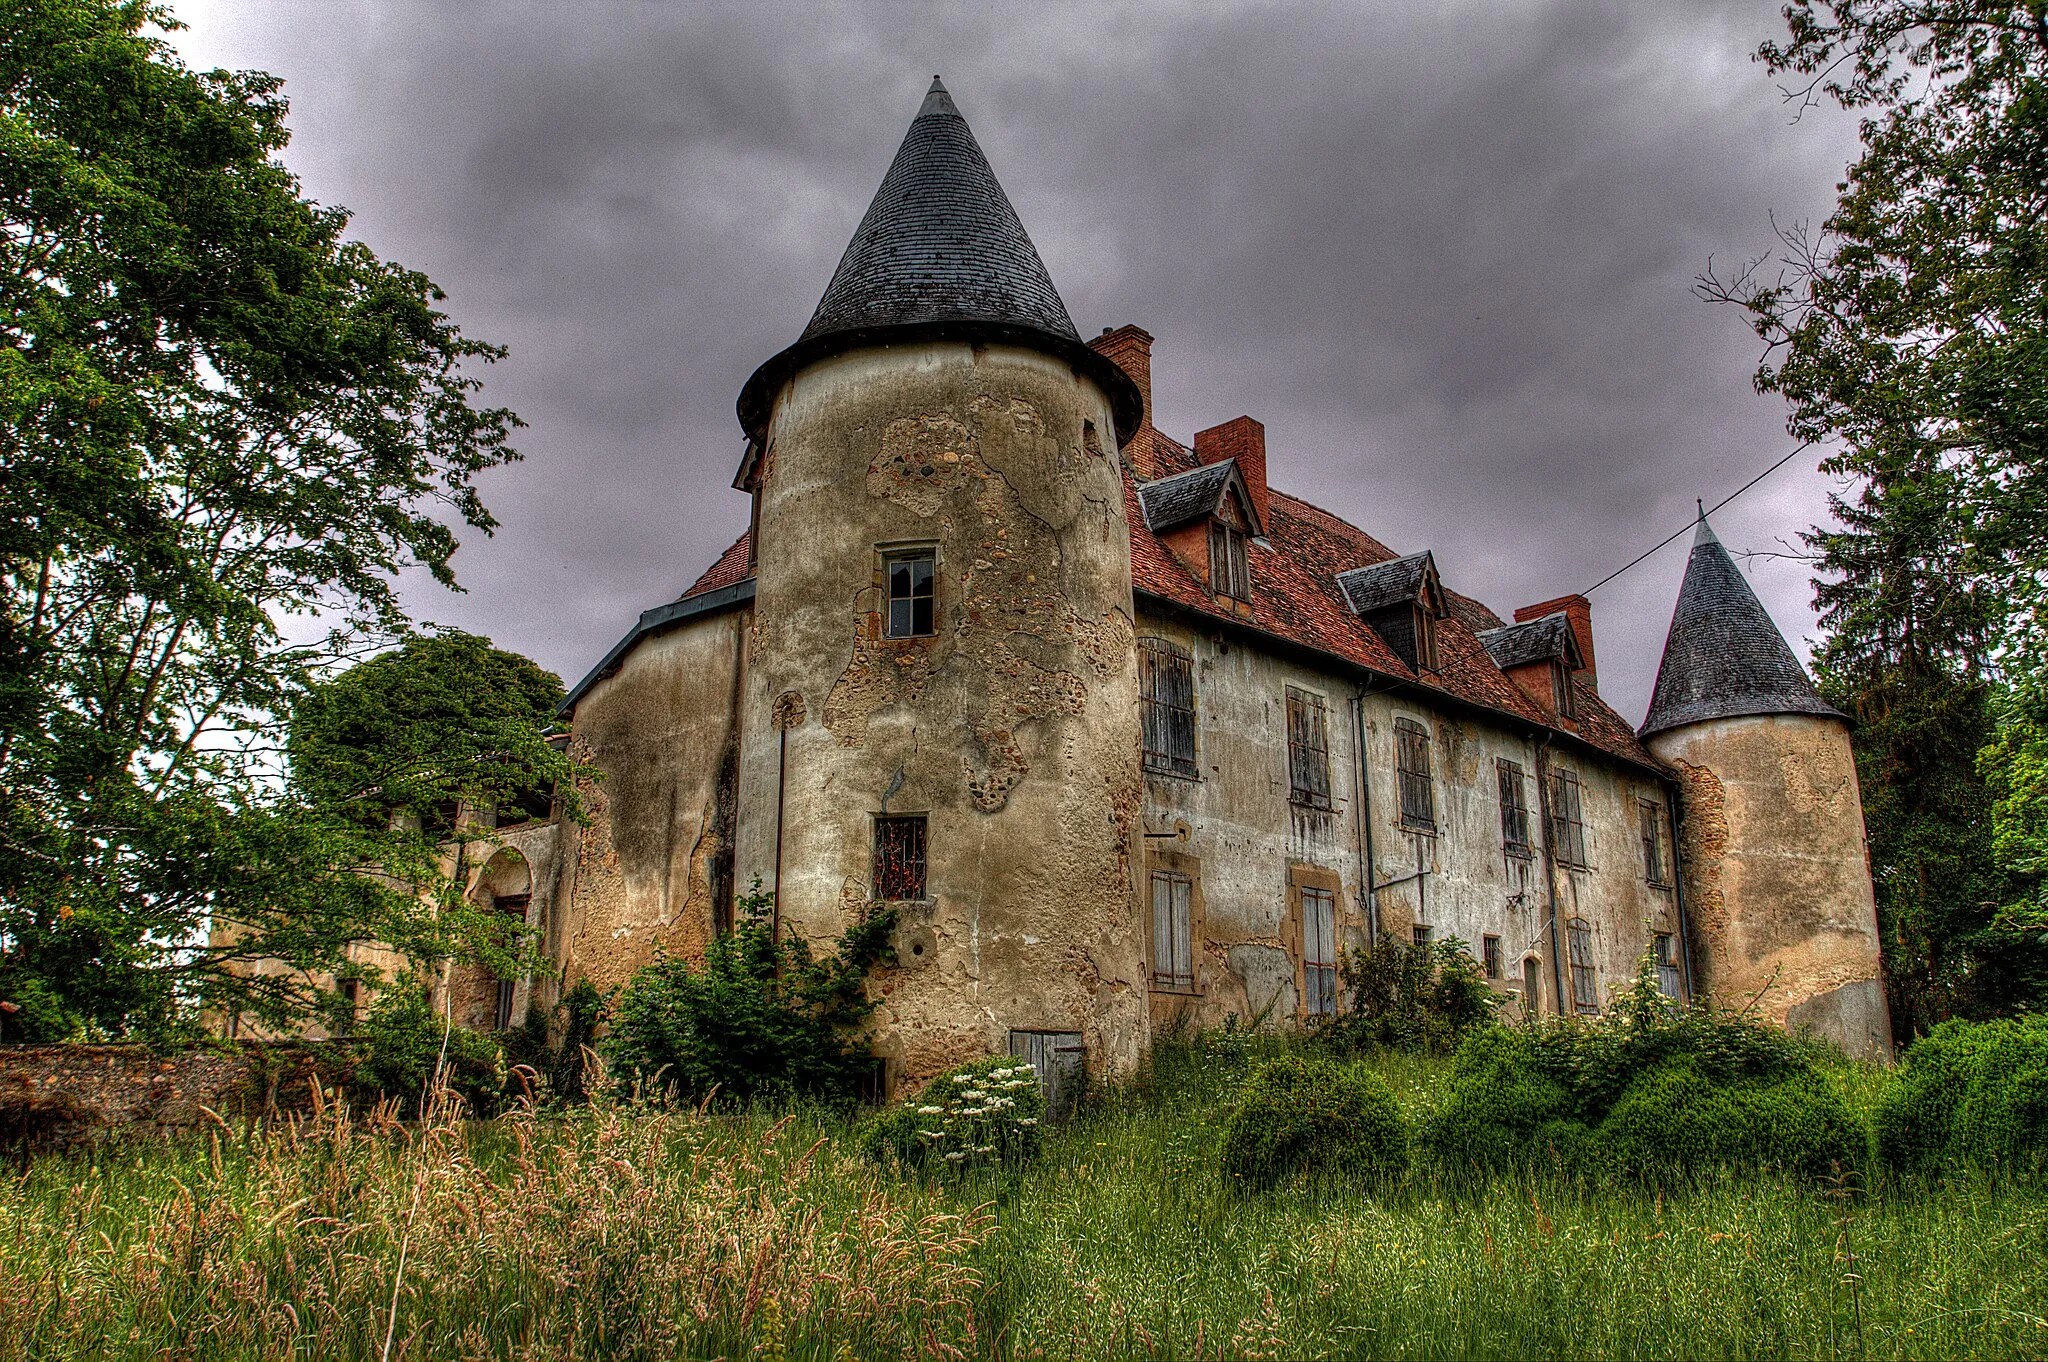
1580 611
1130 349
1245 441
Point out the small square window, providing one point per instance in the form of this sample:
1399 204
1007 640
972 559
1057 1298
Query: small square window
1424 935
1490 952
909 580
899 857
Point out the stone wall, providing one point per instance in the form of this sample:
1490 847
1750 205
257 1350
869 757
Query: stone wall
55 1096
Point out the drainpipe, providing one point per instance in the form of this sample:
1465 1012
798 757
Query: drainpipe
1366 889
781 780
1672 805
1550 877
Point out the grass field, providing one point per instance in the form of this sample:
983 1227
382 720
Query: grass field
618 1233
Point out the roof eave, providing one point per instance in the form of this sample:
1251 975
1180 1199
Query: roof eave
656 621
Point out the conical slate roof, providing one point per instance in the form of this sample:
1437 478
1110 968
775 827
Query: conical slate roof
941 254
1724 656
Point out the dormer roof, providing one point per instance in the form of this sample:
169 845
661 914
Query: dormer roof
1548 639
1398 581
1197 494
940 254
1724 656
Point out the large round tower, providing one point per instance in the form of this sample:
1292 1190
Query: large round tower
941 691
1777 878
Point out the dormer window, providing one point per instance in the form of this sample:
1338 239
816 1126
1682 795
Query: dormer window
1561 687
1425 637
1401 600
1230 571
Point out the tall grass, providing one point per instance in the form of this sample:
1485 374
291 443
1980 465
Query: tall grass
624 1233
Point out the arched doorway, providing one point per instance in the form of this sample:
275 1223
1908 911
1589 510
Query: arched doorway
478 998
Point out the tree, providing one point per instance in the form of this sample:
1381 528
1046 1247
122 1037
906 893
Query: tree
227 429
1910 335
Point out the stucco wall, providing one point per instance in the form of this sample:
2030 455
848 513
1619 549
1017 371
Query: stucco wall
1245 838
1013 729
1778 875
664 734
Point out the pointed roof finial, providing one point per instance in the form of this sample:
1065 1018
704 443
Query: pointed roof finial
1724 656
937 102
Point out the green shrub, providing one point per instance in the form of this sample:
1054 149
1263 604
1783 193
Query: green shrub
1969 1093
983 1112
403 1041
558 1056
761 1019
1651 1090
1307 1115
1425 996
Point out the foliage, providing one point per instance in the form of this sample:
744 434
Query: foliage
556 1044
1652 1090
405 1048
763 1018
225 430
1910 337
986 1111
1422 997
1969 1095
1308 1115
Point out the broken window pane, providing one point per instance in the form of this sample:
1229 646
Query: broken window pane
1173 943
899 857
1418 796
910 595
1308 749
1318 951
1166 688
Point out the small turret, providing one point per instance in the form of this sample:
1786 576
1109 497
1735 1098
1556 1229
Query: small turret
1777 879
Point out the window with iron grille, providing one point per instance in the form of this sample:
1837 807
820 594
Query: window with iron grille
1422 935
1308 749
909 577
1514 809
1166 703
1230 572
1585 984
1318 951
1173 932
1567 822
1653 842
1411 764
1489 949
1667 964
899 857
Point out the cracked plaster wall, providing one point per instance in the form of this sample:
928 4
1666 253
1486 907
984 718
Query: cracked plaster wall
1778 878
1013 728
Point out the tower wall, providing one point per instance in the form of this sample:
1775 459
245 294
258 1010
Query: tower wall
1777 877
1013 728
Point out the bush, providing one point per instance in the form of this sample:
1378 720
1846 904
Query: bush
1307 1115
1969 1093
1410 997
986 1111
761 1019
401 1043
1650 1091
559 1060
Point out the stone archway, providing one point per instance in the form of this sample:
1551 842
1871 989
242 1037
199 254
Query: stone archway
478 998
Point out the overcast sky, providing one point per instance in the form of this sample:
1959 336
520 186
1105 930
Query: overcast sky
1443 251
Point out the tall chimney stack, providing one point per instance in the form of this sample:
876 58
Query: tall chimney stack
1130 349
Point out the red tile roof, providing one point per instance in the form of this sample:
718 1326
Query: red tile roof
1295 598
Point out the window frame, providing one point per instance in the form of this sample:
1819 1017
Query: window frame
1179 884
1563 693
1654 860
1490 955
1425 638
1308 749
891 558
1568 818
1585 974
877 868
1664 950
1316 980
1513 793
1422 934
1230 571
1163 716
1414 783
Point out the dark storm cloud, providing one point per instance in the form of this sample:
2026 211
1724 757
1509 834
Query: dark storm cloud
1442 252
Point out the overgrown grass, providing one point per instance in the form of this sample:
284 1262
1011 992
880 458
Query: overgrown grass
619 1234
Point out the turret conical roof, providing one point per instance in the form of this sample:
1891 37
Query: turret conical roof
940 254
1724 656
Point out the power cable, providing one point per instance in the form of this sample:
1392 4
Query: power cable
1704 513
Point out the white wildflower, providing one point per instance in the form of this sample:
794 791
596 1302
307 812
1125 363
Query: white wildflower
955 1156
929 1111
1027 1120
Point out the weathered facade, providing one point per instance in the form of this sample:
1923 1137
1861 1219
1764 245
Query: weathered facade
1129 737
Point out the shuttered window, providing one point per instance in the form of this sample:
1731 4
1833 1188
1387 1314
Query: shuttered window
1411 764
1667 964
1318 951
1173 940
1308 749
1230 572
1166 691
1567 821
1585 983
1514 809
1653 842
